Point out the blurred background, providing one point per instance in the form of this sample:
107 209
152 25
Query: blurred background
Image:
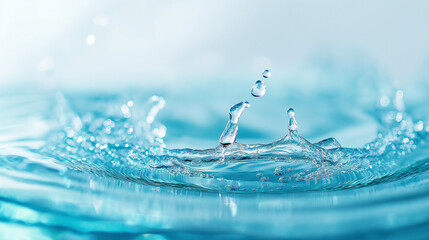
204 56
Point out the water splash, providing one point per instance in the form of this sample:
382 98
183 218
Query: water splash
98 153
229 134
91 162
329 143
293 124
152 130
232 166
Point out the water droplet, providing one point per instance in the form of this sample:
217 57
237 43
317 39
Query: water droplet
229 134
384 101
398 117
293 124
125 111
130 130
419 126
398 101
90 39
159 130
266 73
258 90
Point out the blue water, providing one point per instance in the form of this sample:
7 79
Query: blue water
125 165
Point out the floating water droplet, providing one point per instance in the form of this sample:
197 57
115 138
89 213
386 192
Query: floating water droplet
398 117
130 130
258 90
90 39
229 134
398 101
384 101
125 111
159 130
266 73
418 127
293 124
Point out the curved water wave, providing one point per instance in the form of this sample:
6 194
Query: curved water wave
94 165
124 144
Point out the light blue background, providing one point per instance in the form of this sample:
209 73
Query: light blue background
207 54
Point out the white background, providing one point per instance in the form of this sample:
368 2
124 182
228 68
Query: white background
151 43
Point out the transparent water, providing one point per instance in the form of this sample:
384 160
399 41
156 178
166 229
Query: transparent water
112 166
